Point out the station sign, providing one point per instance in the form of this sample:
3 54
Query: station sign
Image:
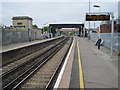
97 17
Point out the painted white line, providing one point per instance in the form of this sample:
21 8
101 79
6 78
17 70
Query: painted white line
63 68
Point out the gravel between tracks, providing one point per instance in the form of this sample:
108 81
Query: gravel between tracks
43 75
22 60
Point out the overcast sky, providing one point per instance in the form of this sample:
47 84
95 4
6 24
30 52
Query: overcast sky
54 11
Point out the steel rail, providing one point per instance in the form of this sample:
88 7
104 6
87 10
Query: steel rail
42 45
4 75
25 64
20 79
55 74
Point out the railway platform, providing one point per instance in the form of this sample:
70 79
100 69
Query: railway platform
84 66
89 67
24 44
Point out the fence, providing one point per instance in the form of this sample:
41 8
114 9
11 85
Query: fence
106 37
10 36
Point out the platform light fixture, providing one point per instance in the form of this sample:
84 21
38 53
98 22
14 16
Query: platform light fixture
97 6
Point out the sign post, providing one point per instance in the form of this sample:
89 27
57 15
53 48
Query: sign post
97 17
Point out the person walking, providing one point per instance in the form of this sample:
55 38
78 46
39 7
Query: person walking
99 42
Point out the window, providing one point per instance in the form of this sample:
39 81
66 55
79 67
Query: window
118 28
19 23
19 26
115 27
108 27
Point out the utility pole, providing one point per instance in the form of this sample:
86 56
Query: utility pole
97 6
89 24
112 32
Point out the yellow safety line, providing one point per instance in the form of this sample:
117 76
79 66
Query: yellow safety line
80 69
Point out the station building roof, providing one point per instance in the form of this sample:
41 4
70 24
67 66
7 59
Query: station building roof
21 18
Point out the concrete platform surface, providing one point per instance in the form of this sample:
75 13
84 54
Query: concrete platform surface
99 69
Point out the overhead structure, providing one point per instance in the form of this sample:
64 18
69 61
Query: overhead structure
54 27
59 26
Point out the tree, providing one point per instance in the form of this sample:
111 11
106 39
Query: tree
46 28
35 26
2 26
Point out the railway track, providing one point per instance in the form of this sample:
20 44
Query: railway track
17 76
12 65
9 74
21 52
47 74
8 67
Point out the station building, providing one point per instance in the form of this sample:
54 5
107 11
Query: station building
22 23
105 27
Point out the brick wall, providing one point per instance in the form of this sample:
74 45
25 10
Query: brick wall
106 28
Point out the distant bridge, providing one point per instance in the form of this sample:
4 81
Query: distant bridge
53 27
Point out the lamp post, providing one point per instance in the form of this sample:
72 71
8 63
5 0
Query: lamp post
50 31
44 31
112 32
97 6
89 24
